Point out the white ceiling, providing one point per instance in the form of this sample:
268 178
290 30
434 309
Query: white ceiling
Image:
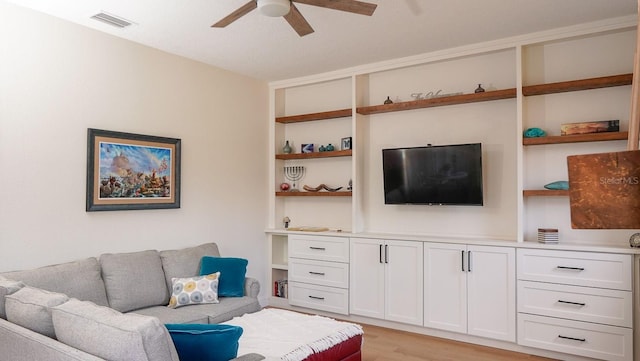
267 48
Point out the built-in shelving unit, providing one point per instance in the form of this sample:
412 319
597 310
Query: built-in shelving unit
577 138
526 71
576 85
330 154
545 193
342 113
439 101
314 194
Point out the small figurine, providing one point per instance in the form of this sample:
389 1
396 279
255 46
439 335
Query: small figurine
286 221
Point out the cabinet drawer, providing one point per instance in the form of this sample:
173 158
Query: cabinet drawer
323 248
611 307
319 297
576 338
601 270
323 273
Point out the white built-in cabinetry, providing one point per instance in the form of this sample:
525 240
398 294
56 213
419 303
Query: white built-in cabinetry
409 265
470 289
576 302
386 279
319 273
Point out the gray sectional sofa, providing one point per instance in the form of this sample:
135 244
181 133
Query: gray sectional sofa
105 308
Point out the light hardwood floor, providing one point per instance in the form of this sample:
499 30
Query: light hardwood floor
383 344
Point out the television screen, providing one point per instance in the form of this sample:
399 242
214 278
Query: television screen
433 175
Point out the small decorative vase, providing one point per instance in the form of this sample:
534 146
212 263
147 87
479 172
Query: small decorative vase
388 101
479 89
322 148
287 148
329 147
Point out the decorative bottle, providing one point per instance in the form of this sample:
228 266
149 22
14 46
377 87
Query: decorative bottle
479 89
287 148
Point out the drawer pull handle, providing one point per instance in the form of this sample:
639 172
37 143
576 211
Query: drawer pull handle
316 273
317 298
573 338
571 268
318 248
572 303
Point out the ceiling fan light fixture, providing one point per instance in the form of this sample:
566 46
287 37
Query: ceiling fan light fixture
274 8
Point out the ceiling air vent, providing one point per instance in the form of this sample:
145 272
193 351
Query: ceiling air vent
111 20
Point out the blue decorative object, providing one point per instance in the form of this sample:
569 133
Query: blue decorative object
330 147
563 185
534 133
205 342
232 273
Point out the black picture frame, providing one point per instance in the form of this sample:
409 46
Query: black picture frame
127 171
345 143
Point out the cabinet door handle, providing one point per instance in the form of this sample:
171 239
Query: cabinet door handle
317 298
386 253
572 338
317 273
571 268
572 303
462 254
468 261
381 261
318 248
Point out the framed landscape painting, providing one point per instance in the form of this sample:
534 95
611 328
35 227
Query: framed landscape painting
131 171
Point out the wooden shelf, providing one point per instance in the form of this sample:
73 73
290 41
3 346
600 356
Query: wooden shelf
576 138
331 154
575 85
342 113
439 101
313 194
545 193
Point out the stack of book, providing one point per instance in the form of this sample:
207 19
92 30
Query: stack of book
281 288
548 235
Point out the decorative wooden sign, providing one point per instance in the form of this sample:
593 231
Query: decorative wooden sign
604 190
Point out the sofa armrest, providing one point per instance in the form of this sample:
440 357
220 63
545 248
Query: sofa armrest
251 287
249 357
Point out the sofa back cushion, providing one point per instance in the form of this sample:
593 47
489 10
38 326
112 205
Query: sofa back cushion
79 279
31 308
111 335
134 280
7 287
185 262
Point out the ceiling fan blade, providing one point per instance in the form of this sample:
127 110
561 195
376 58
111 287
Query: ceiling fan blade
242 11
298 22
352 6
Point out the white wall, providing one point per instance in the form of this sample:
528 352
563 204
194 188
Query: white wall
57 79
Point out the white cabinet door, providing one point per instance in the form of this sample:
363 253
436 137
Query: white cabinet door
366 277
403 281
491 288
445 287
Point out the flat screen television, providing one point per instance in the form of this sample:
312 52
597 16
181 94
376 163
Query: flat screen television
433 175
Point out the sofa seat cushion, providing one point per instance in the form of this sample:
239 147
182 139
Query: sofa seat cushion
80 279
188 314
205 342
228 308
185 262
30 308
134 280
7 287
109 334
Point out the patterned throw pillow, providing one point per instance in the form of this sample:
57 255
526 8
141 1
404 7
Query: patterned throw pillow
194 290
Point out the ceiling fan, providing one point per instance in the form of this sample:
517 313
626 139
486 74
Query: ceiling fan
288 10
